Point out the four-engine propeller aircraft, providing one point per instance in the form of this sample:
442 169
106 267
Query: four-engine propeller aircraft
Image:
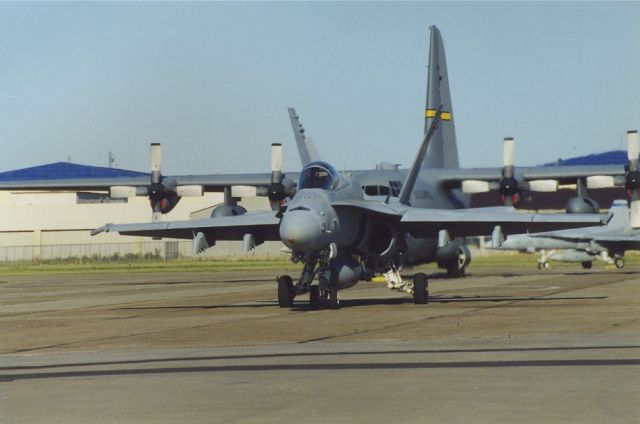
346 227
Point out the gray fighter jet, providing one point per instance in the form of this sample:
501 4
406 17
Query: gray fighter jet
347 227
607 243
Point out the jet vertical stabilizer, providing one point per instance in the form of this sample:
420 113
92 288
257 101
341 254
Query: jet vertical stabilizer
443 151
306 148
620 218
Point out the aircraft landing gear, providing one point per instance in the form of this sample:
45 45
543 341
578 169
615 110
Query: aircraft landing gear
457 267
420 289
322 294
619 261
334 302
314 298
587 264
286 291
319 297
543 265
454 270
328 285
394 279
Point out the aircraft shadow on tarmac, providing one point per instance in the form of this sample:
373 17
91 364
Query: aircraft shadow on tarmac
322 366
346 303
303 306
297 355
507 274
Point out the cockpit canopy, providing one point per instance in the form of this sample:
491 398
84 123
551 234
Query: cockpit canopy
318 175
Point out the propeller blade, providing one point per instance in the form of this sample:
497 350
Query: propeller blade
156 215
122 192
276 191
509 189
632 178
633 149
634 214
155 162
508 149
276 163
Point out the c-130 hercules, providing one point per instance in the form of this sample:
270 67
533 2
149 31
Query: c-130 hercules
347 227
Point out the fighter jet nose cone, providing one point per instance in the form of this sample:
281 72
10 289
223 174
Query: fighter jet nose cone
301 231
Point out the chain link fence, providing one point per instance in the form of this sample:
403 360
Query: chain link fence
137 251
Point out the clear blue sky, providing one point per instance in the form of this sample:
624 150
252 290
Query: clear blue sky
212 81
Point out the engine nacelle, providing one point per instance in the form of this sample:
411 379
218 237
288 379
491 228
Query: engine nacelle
348 271
582 205
227 210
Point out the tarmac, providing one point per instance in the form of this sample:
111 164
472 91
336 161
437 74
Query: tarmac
501 345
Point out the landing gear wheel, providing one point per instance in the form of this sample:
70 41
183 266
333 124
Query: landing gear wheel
420 292
619 262
543 265
334 303
314 298
455 270
587 264
285 291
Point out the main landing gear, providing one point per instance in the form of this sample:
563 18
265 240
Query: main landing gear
420 289
586 264
543 265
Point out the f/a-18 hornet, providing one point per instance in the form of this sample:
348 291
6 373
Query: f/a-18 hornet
607 243
346 227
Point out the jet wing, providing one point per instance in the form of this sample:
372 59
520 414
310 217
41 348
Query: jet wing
263 225
424 223
618 242
482 221
614 238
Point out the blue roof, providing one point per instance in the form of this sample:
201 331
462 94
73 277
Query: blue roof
614 157
66 170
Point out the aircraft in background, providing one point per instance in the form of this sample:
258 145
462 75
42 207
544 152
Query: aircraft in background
347 227
607 243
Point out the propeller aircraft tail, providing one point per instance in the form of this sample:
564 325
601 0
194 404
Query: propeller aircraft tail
443 150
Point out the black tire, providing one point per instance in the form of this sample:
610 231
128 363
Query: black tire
314 298
420 292
334 302
285 291
619 263
587 264
453 271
